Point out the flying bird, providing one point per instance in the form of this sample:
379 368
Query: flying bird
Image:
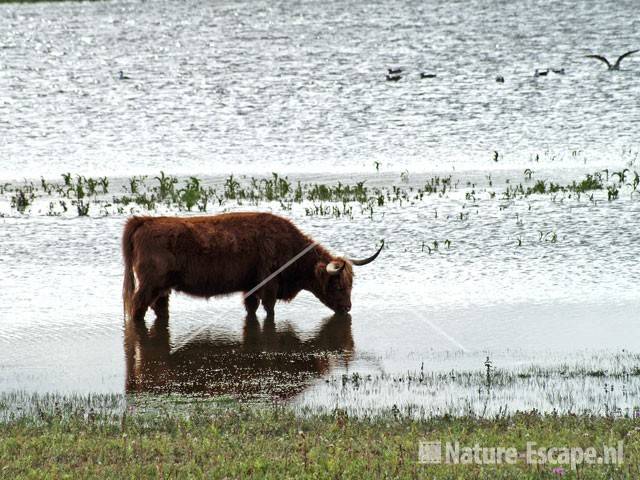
615 66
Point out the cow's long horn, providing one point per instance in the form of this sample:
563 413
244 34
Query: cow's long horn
359 263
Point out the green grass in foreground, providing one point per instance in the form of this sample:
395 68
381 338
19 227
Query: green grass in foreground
235 441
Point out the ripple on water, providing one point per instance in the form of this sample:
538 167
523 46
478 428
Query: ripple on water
247 87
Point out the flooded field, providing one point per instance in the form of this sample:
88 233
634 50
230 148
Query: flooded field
497 292
509 211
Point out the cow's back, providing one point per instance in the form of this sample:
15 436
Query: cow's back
212 255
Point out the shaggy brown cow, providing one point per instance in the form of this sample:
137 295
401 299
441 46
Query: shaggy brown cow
222 254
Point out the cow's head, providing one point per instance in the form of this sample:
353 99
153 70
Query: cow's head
333 281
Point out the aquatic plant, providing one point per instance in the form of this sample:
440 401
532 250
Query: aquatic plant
592 182
46 187
539 187
134 185
322 199
488 366
67 179
91 185
634 183
78 197
231 187
191 194
166 187
22 199
622 175
104 183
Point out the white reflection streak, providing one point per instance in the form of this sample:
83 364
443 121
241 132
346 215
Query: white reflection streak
283 267
446 335
422 317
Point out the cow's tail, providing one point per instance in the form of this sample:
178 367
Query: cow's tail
129 283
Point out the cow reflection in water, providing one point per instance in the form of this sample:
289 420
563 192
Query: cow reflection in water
265 362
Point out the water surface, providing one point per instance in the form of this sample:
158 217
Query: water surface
544 286
251 86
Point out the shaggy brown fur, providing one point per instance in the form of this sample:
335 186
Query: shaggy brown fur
222 254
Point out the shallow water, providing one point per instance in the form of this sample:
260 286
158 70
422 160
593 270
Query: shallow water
541 304
248 86
299 88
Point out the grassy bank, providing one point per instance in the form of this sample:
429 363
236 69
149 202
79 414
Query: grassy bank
237 441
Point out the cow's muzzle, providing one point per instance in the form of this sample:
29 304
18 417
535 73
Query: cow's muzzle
343 308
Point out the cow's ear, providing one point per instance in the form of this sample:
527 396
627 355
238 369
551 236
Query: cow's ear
321 270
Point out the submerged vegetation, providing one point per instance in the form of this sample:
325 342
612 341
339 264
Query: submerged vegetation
95 196
589 384
195 438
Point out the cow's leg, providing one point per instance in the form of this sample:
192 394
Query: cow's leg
142 299
251 304
269 294
161 305
151 276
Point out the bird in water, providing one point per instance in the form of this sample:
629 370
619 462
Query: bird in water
122 76
393 78
394 71
559 71
427 75
615 66
540 73
500 79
